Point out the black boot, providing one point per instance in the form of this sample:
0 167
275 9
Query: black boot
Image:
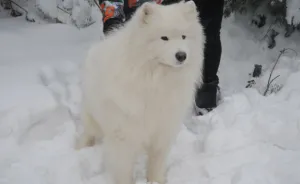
206 97
15 13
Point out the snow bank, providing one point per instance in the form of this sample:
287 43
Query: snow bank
253 138
248 139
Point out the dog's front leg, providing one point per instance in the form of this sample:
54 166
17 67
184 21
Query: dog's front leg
157 158
92 130
119 158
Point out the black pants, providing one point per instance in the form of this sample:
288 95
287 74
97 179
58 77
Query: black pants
211 14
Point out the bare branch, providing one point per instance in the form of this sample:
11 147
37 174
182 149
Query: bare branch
270 76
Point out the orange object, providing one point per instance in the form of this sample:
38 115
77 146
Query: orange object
108 12
131 3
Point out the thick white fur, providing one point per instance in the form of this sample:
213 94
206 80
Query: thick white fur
136 94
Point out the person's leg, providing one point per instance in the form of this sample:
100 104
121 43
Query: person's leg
211 14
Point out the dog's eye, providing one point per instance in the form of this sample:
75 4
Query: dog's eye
164 38
183 36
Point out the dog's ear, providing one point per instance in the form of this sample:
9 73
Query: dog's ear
189 8
146 11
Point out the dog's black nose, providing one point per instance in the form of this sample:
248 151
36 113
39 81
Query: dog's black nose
180 56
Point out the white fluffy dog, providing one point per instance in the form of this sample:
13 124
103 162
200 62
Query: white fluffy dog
138 86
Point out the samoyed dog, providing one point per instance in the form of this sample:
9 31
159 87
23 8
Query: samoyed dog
139 84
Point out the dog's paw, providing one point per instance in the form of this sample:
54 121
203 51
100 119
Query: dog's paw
154 183
84 141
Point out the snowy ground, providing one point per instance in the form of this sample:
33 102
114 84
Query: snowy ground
248 139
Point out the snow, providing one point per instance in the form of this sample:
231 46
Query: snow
293 12
81 12
248 139
68 4
73 12
49 7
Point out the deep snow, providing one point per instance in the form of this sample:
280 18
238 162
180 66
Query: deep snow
248 139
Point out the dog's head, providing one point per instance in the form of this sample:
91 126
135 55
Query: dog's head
169 33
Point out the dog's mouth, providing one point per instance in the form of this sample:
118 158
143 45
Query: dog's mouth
161 62
175 66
